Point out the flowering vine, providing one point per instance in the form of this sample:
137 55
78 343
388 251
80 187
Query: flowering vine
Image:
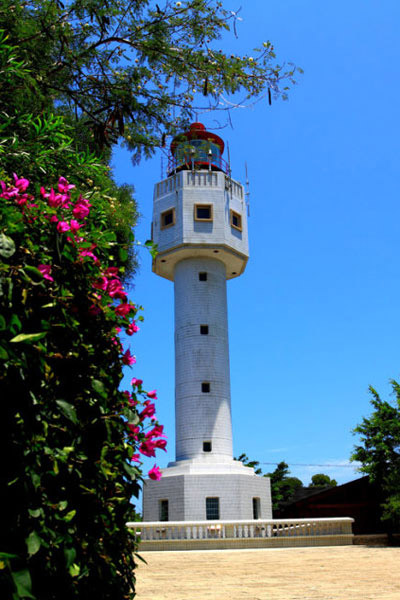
67 218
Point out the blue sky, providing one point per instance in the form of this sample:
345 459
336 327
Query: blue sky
314 319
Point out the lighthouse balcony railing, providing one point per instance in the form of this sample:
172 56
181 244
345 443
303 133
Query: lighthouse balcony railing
202 178
167 532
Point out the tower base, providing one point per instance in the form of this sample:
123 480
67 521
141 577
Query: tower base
181 494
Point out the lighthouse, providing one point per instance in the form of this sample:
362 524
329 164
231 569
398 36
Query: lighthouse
200 228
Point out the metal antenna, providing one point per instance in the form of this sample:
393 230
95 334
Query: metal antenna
162 164
247 192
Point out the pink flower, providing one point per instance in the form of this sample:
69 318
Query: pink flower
134 429
161 444
155 432
136 382
147 448
20 183
132 328
135 458
45 271
100 283
124 309
111 272
155 473
148 411
81 209
64 186
75 225
128 358
152 394
115 289
53 219
88 254
94 310
63 226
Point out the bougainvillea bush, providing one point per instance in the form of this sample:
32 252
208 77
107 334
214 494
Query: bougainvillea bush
71 440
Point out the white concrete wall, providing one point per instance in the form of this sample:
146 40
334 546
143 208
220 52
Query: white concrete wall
201 358
182 191
187 496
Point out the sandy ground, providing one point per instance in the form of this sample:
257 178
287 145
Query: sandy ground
329 573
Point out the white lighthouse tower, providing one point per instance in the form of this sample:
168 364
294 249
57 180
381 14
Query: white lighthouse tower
200 227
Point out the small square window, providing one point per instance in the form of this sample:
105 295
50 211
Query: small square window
207 446
204 329
205 387
212 508
168 218
203 212
164 516
236 220
202 276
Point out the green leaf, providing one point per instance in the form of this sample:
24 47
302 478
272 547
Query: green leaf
28 337
3 323
15 324
123 255
98 387
69 516
35 513
23 583
3 353
33 543
70 555
74 570
7 555
68 410
7 246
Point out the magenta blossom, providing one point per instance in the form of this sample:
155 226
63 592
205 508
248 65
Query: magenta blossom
152 394
135 458
81 209
64 186
132 328
63 226
155 473
124 309
155 432
136 382
100 283
148 411
115 289
75 225
45 271
147 448
20 183
128 358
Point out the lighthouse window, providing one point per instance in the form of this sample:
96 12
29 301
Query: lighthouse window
168 218
212 509
204 329
236 220
203 212
256 508
207 447
202 276
205 387
164 510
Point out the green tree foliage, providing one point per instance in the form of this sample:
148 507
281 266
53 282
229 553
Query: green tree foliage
379 451
320 479
249 463
134 69
283 487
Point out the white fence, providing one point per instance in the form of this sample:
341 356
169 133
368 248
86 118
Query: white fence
175 535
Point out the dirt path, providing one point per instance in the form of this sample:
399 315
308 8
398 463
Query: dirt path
334 573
